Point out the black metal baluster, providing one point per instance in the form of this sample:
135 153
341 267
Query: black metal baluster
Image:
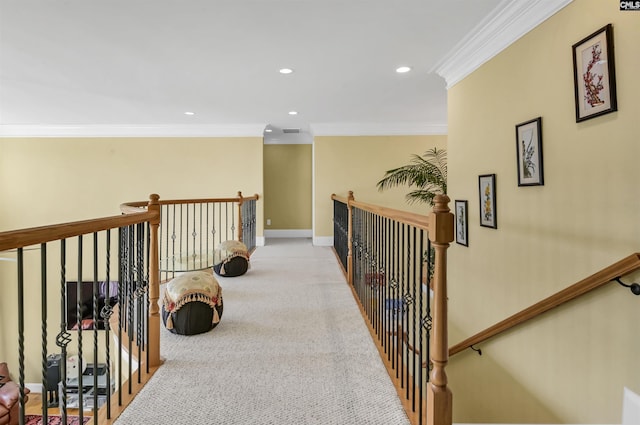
120 307
401 294
130 279
146 297
413 288
106 313
21 402
43 306
173 249
200 238
79 326
63 338
139 268
95 325
421 341
233 220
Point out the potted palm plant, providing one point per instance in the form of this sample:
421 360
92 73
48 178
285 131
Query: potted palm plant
426 175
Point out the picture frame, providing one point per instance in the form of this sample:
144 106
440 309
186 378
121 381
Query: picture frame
487 192
462 223
529 153
594 75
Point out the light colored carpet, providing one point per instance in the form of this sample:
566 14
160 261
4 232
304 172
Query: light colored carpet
291 348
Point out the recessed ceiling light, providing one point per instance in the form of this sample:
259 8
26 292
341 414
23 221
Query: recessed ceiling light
189 113
293 113
286 71
403 69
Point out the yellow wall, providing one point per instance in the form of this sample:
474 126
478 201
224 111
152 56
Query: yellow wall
572 364
347 163
287 186
57 180
47 181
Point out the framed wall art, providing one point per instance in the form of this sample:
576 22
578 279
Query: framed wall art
594 75
462 225
529 151
487 188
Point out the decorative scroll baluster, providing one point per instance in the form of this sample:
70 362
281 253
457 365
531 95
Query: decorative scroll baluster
95 324
43 306
63 338
79 323
105 315
21 334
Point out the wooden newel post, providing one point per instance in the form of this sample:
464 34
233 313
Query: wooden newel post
349 239
240 216
154 283
439 398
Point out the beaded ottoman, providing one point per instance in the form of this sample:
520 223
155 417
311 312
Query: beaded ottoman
192 303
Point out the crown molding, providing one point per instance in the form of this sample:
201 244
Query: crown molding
214 130
509 21
217 130
377 129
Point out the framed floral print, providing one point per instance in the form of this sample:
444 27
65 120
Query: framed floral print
529 150
594 75
487 192
462 225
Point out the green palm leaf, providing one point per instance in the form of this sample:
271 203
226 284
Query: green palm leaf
426 173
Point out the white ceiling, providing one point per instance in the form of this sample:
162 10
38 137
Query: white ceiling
133 67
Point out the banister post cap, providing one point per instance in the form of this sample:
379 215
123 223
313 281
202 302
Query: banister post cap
441 221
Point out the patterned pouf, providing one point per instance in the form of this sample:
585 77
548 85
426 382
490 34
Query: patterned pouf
231 259
192 303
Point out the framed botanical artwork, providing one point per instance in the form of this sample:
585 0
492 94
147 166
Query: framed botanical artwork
594 75
487 188
529 150
462 225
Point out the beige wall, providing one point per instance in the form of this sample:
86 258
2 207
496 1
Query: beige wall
571 365
347 163
56 180
47 181
287 186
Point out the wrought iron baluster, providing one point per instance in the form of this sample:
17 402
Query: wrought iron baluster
95 324
43 306
63 338
21 408
79 326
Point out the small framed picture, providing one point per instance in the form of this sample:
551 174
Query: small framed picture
487 188
594 75
529 149
462 226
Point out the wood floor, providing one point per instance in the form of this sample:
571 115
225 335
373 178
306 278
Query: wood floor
34 407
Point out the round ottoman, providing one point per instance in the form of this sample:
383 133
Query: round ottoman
192 303
231 259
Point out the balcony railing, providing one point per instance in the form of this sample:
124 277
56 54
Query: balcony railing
395 263
86 294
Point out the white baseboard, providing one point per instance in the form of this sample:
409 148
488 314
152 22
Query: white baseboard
33 387
259 240
288 233
630 407
323 240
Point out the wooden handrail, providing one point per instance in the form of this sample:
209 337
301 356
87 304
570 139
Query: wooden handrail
413 219
596 280
37 235
127 207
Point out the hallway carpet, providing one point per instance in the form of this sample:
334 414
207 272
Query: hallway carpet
291 348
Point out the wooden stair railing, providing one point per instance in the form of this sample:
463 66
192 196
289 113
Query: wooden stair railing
39 238
437 409
620 268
